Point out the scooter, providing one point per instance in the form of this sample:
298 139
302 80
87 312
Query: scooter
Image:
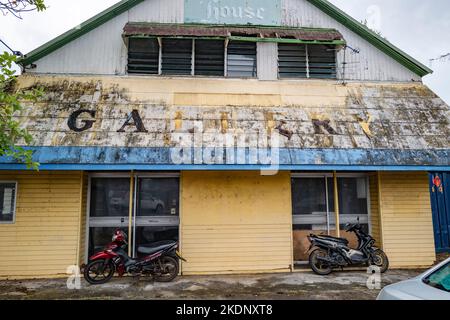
160 260
328 253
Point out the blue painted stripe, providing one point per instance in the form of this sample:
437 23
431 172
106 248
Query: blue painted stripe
111 158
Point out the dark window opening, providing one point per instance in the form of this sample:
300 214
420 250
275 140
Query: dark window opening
7 202
177 56
322 61
241 59
143 56
292 61
306 61
209 57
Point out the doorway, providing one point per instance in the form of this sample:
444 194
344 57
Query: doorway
144 205
440 204
313 207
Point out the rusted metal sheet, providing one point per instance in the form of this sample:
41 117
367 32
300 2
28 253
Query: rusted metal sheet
152 29
119 118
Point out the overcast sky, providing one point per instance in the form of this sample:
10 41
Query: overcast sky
419 27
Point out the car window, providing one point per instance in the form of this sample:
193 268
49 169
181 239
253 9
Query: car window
440 279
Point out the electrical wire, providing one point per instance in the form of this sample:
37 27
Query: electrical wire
14 52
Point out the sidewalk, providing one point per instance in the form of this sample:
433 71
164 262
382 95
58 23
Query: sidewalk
298 285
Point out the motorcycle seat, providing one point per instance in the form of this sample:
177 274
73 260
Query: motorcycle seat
341 240
155 247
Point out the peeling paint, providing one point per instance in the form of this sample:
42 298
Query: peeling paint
306 115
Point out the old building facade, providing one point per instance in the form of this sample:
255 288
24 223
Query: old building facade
235 127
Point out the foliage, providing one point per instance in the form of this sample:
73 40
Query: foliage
11 100
16 7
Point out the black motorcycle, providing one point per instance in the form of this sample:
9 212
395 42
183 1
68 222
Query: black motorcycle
329 252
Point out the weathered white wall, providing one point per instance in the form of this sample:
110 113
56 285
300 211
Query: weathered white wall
102 51
369 64
267 61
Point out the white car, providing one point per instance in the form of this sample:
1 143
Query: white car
433 284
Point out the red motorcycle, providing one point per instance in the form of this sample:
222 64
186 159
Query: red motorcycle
159 260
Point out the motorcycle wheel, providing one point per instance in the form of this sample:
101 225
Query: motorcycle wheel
169 270
380 259
93 275
318 266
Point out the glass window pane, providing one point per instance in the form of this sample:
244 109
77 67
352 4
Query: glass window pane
143 56
322 61
352 196
110 197
292 60
440 279
7 201
158 197
308 196
100 237
209 57
309 207
146 236
177 56
241 59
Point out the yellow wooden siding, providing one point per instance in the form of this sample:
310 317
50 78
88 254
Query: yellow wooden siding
43 241
407 226
374 210
235 222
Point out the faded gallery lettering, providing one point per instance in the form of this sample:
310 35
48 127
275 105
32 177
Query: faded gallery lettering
135 121
212 146
216 11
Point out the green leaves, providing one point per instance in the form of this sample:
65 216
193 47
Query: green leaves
11 132
16 7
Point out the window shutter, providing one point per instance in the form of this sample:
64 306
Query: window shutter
292 60
322 61
143 56
306 61
177 56
241 60
209 57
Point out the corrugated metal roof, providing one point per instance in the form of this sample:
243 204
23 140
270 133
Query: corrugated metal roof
157 29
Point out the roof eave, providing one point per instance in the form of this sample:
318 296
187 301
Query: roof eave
78 31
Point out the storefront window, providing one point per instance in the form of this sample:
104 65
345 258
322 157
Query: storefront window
313 209
158 197
157 216
99 237
110 197
154 216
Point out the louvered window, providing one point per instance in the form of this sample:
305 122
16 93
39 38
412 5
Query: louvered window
241 59
143 56
176 56
306 61
292 61
209 57
322 61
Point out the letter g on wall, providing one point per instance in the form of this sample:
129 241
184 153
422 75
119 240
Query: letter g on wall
72 122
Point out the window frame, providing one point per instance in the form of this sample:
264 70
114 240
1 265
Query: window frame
342 175
125 174
16 187
307 64
160 40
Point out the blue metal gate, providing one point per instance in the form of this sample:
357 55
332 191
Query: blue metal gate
440 203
